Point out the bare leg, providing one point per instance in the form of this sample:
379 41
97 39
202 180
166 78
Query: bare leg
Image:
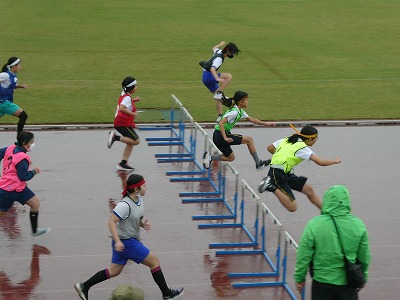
114 270
287 202
311 195
248 140
218 106
34 203
227 79
129 146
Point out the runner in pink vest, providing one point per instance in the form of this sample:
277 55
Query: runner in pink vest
15 174
124 122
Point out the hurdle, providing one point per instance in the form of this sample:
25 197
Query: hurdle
217 184
193 152
241 224
171 126
231 207
177 134
263 251
289 241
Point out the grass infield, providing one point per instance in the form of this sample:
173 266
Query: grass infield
300 60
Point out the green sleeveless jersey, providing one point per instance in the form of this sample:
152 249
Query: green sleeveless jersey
228 126
285 154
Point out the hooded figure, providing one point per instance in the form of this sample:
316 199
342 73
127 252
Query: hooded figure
320 244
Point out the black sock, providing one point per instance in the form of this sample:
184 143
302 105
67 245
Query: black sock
22 119
33 216
158 277
117 137
96 278
123 162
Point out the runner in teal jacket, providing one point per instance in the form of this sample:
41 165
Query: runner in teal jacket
320 245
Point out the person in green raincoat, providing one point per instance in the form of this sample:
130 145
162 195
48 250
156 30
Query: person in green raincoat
320 247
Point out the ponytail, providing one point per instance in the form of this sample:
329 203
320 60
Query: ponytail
12 61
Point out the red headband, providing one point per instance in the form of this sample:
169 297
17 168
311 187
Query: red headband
133 186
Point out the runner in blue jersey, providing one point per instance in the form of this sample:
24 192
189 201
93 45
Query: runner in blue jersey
211 78
8 83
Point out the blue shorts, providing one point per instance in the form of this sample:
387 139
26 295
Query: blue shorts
134 250
7 198
8 108
209 81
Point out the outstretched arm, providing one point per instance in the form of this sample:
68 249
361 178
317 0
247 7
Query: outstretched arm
259 122
325 162
222 43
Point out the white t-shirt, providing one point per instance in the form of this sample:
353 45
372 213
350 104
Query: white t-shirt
231 115
304 153
127 101
217 62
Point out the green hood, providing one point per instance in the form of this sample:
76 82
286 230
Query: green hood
336 201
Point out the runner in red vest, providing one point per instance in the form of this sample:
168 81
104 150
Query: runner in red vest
124 122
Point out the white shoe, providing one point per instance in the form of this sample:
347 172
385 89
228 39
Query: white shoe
266 185
217 96
41 231
111 138
207 160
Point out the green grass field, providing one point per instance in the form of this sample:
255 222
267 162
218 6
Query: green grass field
300 60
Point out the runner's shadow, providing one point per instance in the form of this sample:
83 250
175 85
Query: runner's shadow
23 289
9 223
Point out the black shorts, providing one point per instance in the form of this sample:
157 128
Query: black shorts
128 132
224 146
287 182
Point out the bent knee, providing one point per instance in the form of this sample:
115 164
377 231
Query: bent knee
308 190
23 115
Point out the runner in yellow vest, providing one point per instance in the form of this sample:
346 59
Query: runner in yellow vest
287 153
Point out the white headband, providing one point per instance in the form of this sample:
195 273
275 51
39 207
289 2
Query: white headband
16 62
132 83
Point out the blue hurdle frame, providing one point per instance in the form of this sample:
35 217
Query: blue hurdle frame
253 238
283 282
263 251
232 209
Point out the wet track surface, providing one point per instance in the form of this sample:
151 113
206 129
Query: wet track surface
79 186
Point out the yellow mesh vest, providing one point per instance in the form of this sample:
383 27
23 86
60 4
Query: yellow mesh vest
285 155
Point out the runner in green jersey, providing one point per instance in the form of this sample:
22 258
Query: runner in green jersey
224 139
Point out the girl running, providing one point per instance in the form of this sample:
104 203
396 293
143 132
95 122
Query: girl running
224 139
211 78
287 153
8 83
124 122
124 224
16 173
